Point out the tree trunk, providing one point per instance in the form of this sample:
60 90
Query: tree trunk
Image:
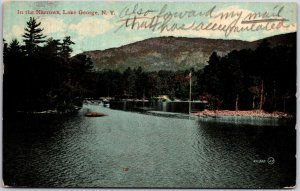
237 102
274 96
261 95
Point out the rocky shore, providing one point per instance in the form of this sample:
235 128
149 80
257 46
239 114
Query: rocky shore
249 113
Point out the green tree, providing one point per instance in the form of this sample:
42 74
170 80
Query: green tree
14 76
129 79
41 74
33 36
52 47
66 49
5 48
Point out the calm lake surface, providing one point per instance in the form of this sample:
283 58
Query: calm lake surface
129 149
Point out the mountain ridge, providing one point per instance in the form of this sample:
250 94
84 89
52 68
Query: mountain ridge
174 53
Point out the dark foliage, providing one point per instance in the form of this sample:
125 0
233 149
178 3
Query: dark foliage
264 78
137 84
41 74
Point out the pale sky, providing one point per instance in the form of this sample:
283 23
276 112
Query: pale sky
100 32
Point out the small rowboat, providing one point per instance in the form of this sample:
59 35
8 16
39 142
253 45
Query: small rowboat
95 114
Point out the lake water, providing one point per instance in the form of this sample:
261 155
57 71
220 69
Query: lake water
130 149
169 106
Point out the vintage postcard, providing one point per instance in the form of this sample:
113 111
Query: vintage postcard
111 94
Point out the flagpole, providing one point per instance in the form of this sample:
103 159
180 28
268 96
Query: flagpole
190 98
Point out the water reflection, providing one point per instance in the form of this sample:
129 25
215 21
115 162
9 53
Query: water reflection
170 106
245 149
127 149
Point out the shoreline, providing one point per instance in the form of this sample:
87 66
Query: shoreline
247 113
52 111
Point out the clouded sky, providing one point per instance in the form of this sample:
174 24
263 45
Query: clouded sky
98 32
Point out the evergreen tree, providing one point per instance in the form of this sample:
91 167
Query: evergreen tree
52 47
41 75
33 36
66 49
5 48
129 79
14 75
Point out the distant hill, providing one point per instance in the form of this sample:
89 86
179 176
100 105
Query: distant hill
174 53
